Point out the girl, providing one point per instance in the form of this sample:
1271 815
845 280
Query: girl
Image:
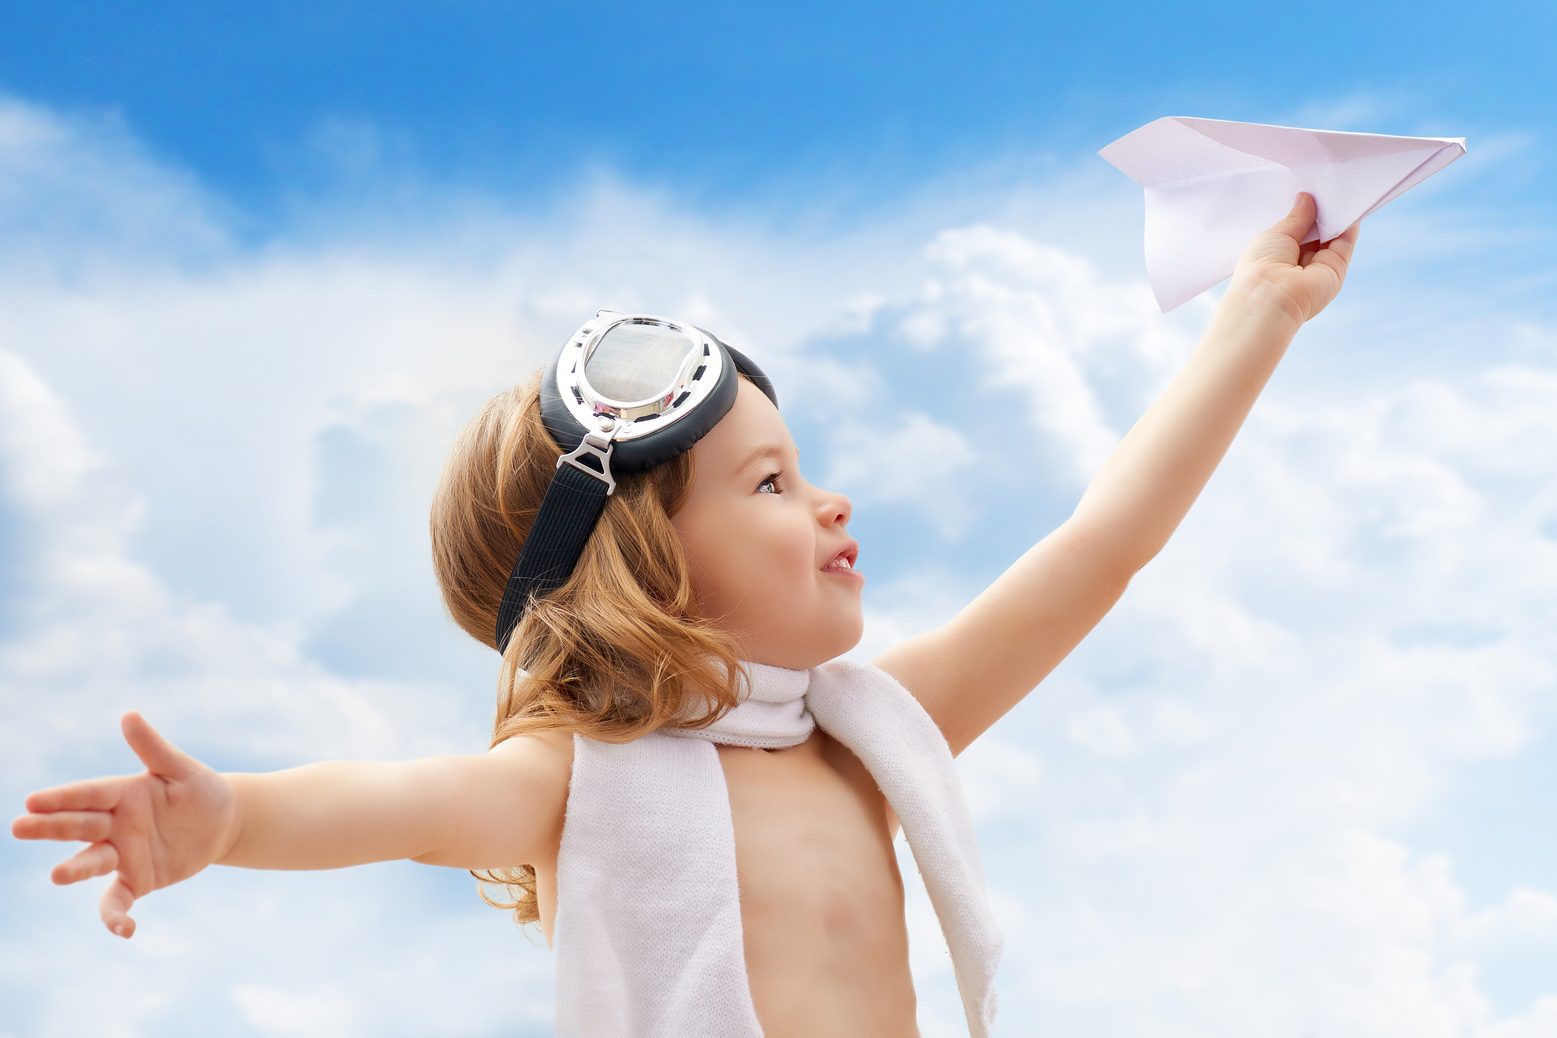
696 807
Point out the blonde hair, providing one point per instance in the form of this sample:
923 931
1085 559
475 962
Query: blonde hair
614 653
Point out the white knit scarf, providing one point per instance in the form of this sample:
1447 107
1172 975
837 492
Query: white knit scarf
648 932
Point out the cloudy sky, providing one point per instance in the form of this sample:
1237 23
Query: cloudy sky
259 263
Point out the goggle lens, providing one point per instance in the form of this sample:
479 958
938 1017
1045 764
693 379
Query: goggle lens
637 361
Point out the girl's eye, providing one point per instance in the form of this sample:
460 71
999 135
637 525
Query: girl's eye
769 485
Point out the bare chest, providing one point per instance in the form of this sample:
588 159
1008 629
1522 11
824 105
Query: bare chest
825 940
821 898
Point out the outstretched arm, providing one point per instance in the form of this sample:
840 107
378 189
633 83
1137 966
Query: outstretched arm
490 810
968 673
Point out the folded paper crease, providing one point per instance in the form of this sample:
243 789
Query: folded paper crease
1212 185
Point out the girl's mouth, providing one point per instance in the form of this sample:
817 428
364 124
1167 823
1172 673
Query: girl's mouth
843 562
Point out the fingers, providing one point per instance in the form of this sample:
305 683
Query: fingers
115 908
1297 223
88 826
160 756
1344 245
97 860
100 794
1335 255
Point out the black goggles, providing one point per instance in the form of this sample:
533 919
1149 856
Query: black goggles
627 393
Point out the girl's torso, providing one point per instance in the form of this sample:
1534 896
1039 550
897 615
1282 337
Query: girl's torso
821 898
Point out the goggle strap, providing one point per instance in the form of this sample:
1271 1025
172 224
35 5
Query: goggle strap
567 516
599 447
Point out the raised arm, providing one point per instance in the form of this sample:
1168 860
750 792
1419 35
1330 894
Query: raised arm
504 807
968 673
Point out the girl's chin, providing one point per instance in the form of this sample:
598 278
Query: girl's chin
805 653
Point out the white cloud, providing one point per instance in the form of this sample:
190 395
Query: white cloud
1362 603
217 460
919 461
68 190
1035 317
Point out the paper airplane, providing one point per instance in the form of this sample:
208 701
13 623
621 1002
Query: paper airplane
1212 185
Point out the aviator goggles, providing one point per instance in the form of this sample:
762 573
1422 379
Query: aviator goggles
628 392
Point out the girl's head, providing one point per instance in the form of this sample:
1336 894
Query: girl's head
721 554
616 651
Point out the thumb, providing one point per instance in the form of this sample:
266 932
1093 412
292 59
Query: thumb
115 904
161 757
1297 223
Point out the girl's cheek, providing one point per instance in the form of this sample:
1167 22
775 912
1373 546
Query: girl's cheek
801 561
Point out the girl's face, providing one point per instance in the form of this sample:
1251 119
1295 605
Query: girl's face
772 561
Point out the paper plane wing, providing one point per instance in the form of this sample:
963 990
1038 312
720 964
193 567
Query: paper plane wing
1211 186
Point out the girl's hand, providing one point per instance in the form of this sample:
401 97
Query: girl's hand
1298 280
153 829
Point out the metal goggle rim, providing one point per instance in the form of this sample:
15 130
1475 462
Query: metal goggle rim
691 383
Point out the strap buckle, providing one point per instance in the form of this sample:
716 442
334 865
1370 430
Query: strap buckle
596 444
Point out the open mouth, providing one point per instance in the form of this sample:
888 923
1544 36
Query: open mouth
843 562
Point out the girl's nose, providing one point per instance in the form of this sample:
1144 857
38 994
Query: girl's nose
833 509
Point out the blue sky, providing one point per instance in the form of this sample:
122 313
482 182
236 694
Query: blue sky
739 100
259 262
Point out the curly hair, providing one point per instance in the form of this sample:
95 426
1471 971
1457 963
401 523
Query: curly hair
617 651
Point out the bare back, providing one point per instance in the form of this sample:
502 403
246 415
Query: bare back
821 898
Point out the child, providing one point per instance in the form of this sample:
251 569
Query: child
706 841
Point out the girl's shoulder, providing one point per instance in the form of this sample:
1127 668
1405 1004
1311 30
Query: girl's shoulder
544 742
541 760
